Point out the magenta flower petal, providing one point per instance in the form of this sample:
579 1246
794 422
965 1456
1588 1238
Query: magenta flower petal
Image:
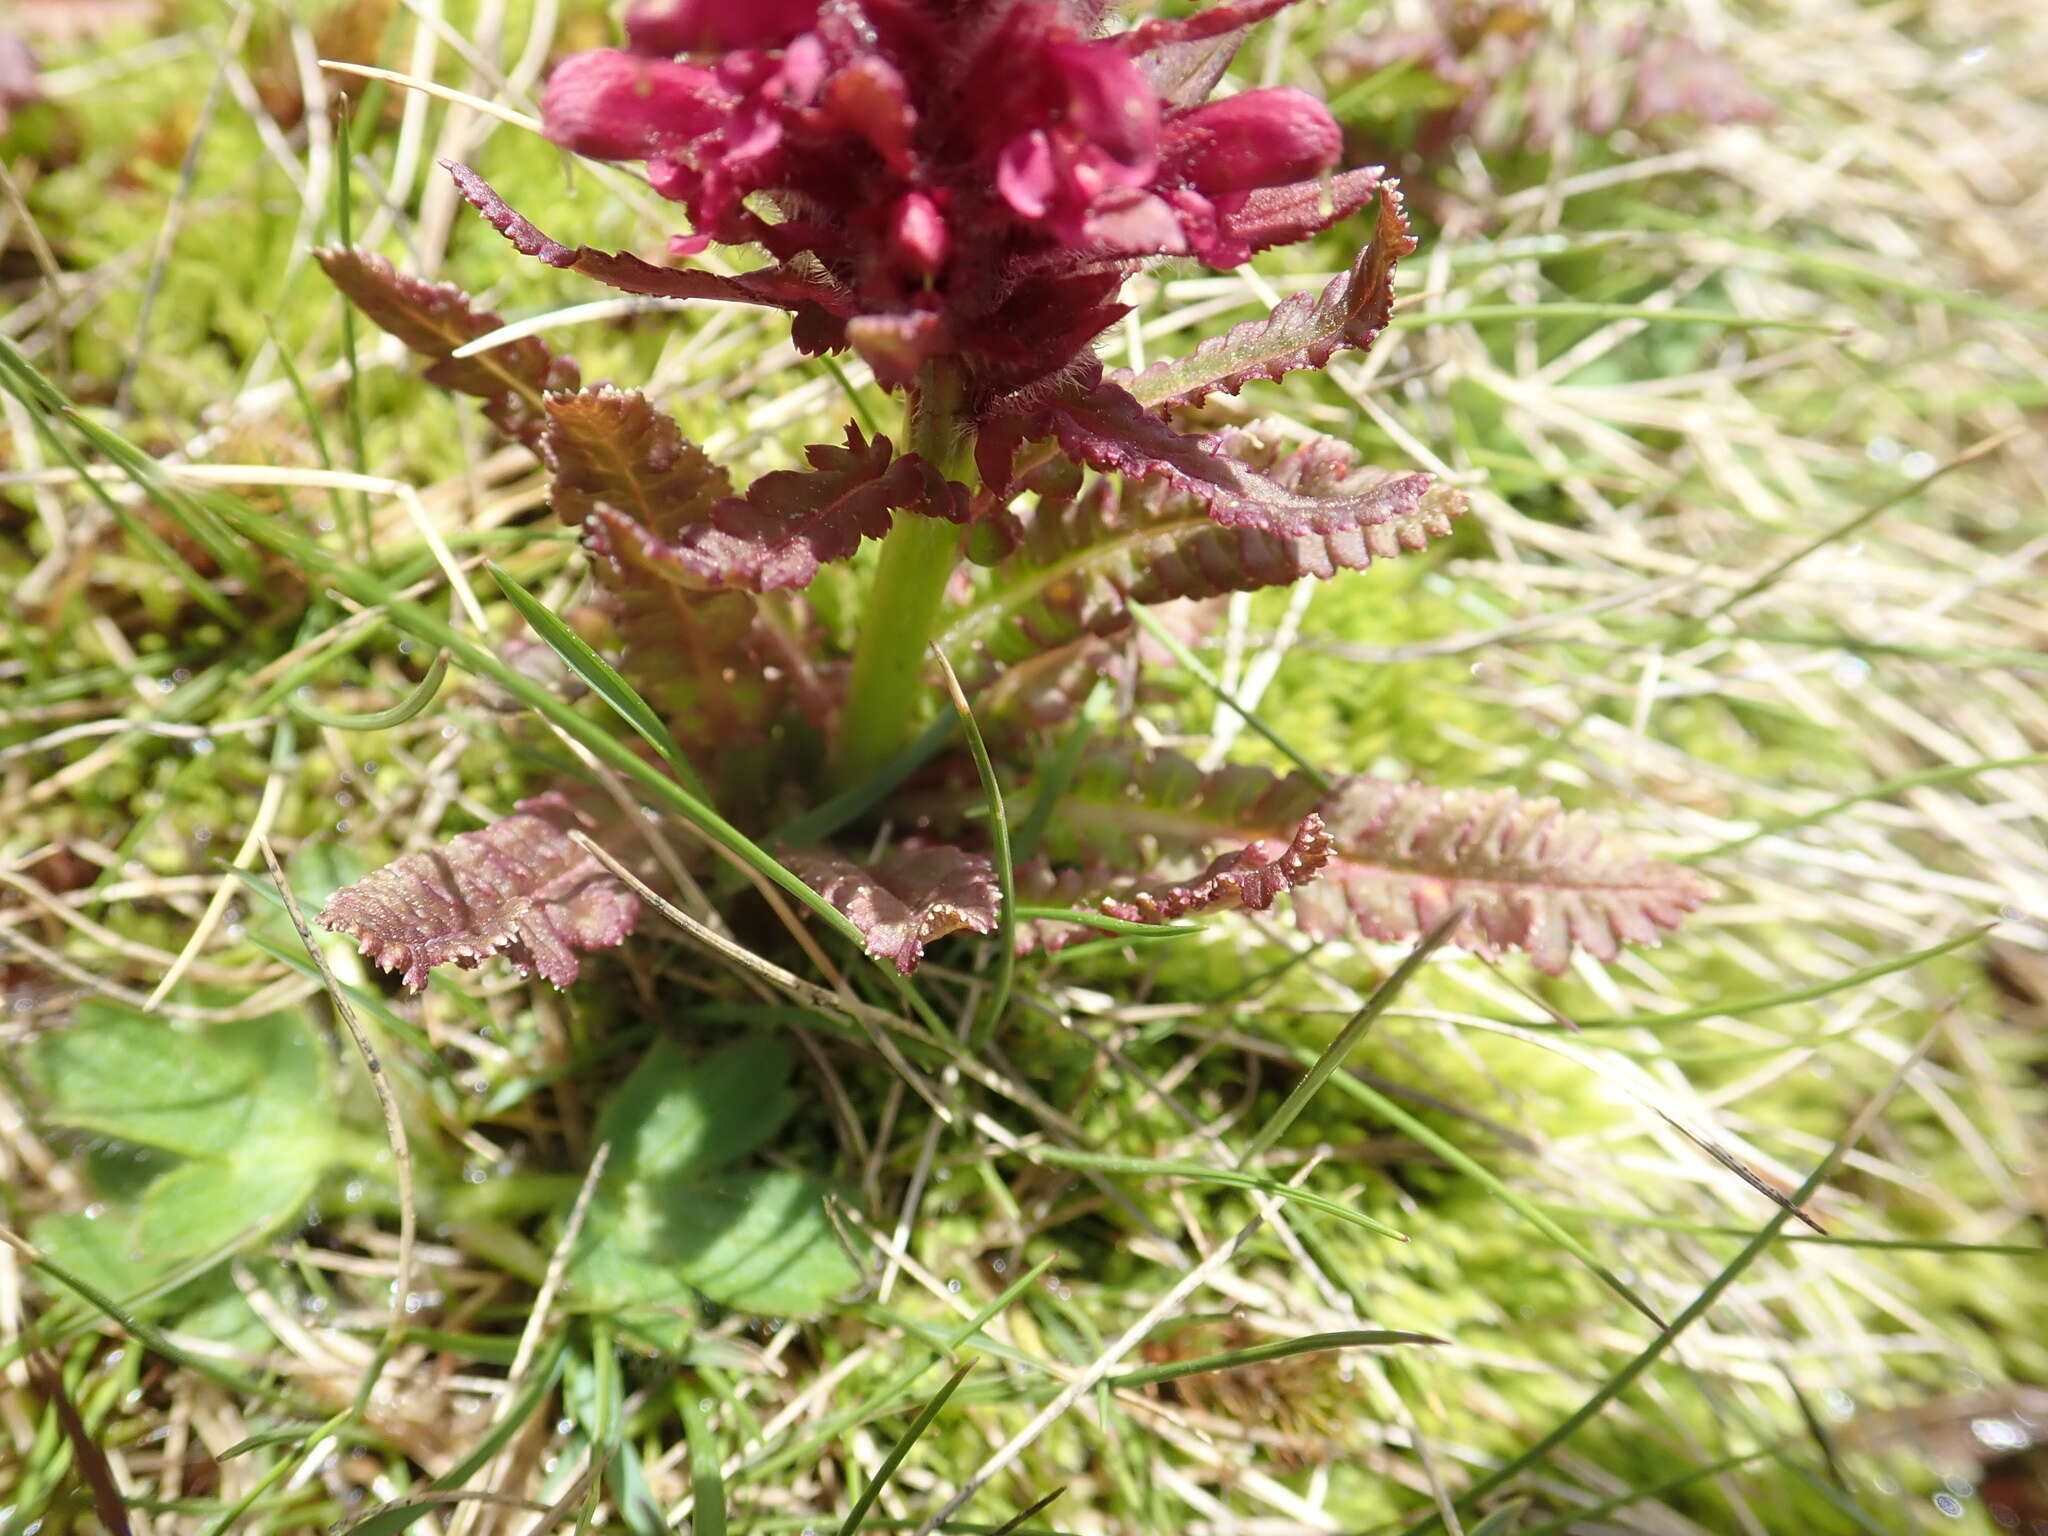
612 105
918 237
1110 104
670 27
1025 174
1258 139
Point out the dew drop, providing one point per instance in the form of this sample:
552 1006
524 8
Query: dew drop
2000 1434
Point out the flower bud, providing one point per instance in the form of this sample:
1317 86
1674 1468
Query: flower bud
1257 139
611 105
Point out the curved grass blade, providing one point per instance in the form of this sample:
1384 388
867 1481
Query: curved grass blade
1214 684
1052 781
1927 778
1082 917
1473 1169
821 821
421 695
1757 1002
1700 1305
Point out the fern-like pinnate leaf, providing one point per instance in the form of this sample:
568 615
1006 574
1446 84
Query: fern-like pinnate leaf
433 319
818 302
518 888
636 485
1304 331
1529 874
1106 428
612 447
909 898
789 522
1253 877
1082 560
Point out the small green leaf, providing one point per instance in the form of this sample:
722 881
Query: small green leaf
757 1242
666 1230
198 1092
674 1116
244 1111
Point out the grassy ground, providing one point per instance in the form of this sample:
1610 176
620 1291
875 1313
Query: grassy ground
1750 416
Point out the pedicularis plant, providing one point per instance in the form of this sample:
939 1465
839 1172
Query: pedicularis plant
955 191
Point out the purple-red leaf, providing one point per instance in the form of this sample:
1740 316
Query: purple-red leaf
913 896
433 319
626 474
1106 428
1253 877
1301 332
1080 561
518 887
612 446
1211 22
775 287
696 655
1529 874
790 521
1271 216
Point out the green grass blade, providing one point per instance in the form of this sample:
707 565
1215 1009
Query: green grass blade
1202 1173
1698 1307
1214 684
1081 917
901 1449
1927 778
849 805
1842 530
1051 782
707 1483
999 853
21 380
1818 1239
1259 1354
547 1369
600 676
1348 1037
1480 1174
1757 1002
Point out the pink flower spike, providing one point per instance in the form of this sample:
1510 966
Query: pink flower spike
1258 139
612 105
670 27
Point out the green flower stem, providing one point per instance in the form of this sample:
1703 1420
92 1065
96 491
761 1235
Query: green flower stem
903 605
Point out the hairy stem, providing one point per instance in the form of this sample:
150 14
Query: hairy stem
887 685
